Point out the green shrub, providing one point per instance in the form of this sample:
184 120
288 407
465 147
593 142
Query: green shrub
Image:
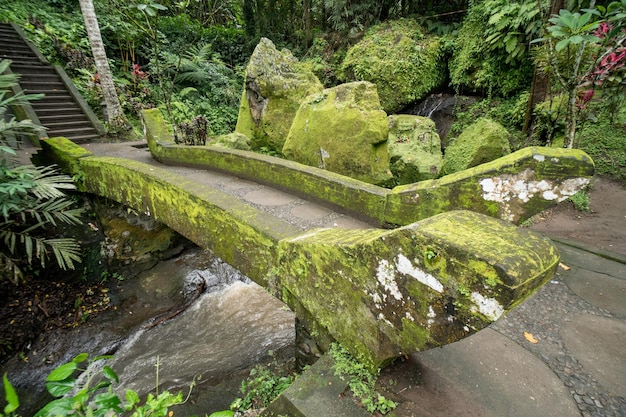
490 53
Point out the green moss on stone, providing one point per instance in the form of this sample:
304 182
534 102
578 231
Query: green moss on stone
403 62
275 85
357 146
483 141
64 153
414 149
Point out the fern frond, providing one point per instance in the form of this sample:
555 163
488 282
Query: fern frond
10 270
66 251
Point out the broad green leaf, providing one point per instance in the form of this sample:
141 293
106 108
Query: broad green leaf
62 372
132 398
108 401
225 413
576 40
108 372
60 407
60 388
10 395
562 44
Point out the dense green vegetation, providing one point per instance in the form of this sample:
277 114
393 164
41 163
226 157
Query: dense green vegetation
188 58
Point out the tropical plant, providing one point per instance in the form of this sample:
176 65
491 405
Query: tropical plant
88 392
583 50
31 198
491 50
264 384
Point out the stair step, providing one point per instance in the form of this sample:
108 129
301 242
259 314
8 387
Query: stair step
66 125
42 84
62 117
56 106
57 110
47 110
71 132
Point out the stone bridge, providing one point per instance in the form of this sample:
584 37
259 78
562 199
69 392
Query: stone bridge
433 262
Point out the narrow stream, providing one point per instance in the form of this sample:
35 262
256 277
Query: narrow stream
198 316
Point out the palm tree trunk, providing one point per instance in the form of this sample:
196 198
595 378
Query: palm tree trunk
114 114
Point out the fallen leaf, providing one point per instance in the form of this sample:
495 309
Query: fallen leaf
565 267
530 338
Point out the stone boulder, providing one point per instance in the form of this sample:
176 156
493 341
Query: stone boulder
414 149
233 141
403 62
275 85
342 129
481 142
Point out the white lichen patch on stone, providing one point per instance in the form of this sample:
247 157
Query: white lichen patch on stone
406 267
511 189
488 307
386 276
539 158
431 316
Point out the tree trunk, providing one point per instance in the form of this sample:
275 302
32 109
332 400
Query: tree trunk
540 87
114 114
306 16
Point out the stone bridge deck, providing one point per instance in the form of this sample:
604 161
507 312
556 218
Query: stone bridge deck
287 207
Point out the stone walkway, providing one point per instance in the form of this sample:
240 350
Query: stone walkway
287 207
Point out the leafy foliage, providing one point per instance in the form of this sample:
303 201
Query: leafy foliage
89 392
583 49
491 50
264 384
361 381
31 198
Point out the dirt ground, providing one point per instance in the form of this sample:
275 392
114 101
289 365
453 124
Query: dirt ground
603 227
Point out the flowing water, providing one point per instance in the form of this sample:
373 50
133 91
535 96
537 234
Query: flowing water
198 316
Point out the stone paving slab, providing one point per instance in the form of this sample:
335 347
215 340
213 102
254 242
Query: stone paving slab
600 345
502 377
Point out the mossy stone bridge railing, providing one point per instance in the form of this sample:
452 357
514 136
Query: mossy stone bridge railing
443 274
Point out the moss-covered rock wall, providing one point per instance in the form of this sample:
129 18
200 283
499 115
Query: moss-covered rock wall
483 141
513 188
342 129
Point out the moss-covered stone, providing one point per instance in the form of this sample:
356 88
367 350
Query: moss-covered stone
350 194
414 149
403 62
275 85
513 188
64 153
233 141
483 141
342 129
381 292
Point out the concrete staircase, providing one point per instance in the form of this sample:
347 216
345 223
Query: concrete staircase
62 110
